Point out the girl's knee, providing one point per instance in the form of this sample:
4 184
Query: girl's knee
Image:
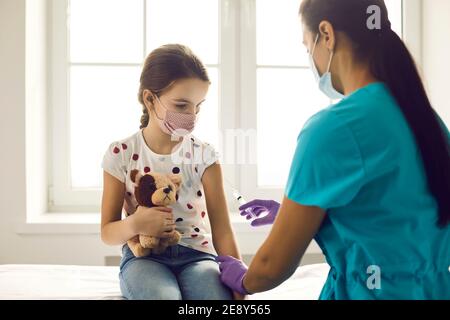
159 294
139 281
148 291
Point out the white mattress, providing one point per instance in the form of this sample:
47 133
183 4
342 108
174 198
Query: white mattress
90 282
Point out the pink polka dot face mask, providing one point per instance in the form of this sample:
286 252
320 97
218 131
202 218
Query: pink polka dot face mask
176 123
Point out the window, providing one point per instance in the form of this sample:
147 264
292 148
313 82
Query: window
98 47
285 95
97 80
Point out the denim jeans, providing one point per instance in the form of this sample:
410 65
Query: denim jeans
179 273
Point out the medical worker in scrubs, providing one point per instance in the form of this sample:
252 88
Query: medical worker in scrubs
370 179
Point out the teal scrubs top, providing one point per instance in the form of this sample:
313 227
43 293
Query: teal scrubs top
358 161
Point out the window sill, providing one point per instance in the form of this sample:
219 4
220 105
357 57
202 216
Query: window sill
89 223
83 224
61 223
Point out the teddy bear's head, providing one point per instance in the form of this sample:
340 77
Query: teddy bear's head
155 189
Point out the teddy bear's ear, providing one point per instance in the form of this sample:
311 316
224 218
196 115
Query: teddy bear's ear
135 176
176 180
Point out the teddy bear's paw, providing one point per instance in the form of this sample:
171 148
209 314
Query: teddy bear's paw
148 242
139 251
175 239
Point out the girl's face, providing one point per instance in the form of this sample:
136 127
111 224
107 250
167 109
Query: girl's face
184 96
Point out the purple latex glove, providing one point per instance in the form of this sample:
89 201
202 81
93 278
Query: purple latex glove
256 208
232 273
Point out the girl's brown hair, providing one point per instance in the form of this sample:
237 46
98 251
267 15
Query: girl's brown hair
165 65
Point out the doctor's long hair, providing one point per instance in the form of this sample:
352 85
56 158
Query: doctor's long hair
391 62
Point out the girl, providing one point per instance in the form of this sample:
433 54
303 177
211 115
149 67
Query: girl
173 85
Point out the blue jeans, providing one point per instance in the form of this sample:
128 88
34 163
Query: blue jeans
179 273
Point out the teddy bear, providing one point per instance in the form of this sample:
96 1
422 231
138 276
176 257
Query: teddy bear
151 190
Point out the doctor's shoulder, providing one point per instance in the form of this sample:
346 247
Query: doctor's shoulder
322 126
329 115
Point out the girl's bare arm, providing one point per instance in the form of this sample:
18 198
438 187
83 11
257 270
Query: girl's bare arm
114 230
223 237
222 233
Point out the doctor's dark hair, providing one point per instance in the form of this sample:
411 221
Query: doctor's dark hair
163 67
391 62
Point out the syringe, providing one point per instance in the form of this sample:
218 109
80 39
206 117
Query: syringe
242 201
239 198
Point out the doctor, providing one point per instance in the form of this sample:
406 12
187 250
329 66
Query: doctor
370 179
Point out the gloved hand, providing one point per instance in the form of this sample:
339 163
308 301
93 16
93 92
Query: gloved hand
257 208
232 273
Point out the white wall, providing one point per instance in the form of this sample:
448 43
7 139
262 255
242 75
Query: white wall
436 54
17 89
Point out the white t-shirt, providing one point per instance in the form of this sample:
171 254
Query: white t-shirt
190 159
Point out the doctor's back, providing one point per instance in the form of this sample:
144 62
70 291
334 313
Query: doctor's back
359 160
377 163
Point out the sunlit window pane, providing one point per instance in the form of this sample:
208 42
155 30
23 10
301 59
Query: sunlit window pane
207 128
279 33
395 15
103 108
106 31
286 99
194 23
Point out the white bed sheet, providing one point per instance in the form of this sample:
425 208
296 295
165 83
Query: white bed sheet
99 283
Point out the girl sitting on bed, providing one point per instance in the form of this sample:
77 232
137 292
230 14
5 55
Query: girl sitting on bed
173 85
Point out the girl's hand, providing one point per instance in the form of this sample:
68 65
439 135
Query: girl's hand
238 296
156 221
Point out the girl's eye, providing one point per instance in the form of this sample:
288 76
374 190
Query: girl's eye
181 106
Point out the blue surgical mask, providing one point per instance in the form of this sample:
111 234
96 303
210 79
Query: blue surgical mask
324 81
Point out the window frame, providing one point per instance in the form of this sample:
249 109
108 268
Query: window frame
237 70
62 196
248 174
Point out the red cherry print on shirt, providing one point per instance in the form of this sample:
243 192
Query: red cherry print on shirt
194 235
146 169
124 146
204 243
189 206
135 157
203 214
116 150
